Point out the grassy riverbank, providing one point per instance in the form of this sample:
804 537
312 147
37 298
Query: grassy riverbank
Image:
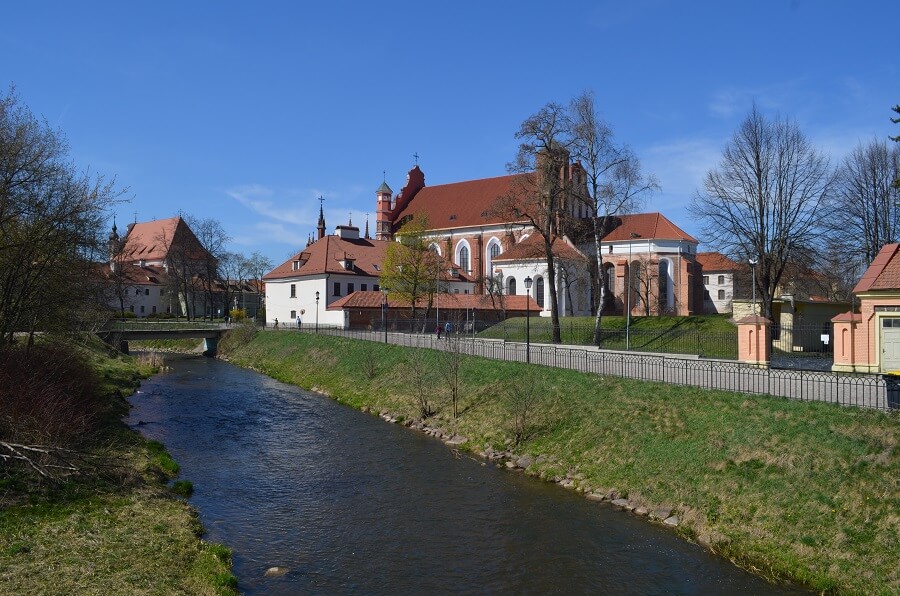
805 491
113 527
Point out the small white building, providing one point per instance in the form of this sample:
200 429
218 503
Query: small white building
331 268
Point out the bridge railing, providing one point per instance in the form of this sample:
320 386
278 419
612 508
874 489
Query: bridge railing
167 325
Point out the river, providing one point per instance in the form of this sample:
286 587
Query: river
350 504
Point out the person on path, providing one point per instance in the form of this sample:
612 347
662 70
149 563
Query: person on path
299 322
276 322
438 330
448 327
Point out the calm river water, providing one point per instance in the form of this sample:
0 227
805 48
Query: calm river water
350 504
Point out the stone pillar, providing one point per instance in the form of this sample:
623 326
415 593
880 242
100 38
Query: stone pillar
753 341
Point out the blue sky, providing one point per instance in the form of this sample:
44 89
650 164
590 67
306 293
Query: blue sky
248 112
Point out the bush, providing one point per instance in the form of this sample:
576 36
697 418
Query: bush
48 395
237 336
237 315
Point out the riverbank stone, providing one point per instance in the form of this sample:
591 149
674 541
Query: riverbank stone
672 521
276 571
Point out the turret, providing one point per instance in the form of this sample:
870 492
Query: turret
383 212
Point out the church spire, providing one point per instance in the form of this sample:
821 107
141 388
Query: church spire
321 219
367 237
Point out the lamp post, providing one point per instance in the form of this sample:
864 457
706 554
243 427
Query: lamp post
384 313
628 297
753 262
317 312
528 320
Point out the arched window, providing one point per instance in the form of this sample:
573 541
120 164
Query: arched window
665 286
435 249
539 291
493 250
462 256
511 286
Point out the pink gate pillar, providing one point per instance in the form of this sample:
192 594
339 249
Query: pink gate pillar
845 337
754 346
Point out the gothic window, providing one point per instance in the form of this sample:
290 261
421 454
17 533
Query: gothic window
463 260
493 251
539 291
511 286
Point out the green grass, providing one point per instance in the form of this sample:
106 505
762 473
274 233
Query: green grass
710 336
796 490
116 528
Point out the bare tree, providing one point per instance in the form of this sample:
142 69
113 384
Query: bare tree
762 200
257 266
421 376
541 194
213 239
451 366
615 183
493 285
51 217
868 204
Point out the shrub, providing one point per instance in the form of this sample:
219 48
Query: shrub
48 395
237 315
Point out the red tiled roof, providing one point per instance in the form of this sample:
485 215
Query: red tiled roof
716 261
532 248
648 226
448 301
152 240
883 273
134 274
326 254
460 204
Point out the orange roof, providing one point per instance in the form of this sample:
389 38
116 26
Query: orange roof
447 301
532 248
883 273
460 204
716 261
325 256
134 274
152 240
654 226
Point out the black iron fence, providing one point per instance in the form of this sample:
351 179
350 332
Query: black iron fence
880 392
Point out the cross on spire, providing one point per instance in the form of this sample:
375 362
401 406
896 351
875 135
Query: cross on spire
416 155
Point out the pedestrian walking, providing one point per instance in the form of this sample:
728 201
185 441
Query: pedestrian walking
448 328
276 322
438 330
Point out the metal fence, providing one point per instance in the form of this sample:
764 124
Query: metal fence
880 392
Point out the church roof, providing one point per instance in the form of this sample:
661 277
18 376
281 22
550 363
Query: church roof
653 226
328 254
716 261
384 188
883 273
460 204
532 248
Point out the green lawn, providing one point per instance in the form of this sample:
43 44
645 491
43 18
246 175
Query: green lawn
711 336
806 491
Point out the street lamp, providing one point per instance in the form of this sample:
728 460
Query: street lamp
528 320
317 312
384 305
628 296
753 262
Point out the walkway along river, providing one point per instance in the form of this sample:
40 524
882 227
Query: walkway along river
349 504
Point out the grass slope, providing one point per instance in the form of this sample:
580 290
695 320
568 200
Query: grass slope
796 490
115 529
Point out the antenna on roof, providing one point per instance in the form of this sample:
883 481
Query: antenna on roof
135 217
350 219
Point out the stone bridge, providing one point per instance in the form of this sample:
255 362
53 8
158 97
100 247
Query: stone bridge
118 334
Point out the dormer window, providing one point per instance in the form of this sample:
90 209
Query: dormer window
295 265
348 264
